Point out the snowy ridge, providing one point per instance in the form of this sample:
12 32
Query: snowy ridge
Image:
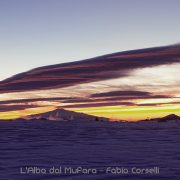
65 115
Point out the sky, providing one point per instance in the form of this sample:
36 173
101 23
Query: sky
42 32
130 85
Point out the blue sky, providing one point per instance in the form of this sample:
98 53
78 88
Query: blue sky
41 32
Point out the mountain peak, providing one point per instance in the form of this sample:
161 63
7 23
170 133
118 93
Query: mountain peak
170 117
61 114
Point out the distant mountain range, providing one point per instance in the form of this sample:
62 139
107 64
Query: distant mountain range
64 115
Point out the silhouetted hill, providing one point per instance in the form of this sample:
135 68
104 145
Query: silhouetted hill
170 117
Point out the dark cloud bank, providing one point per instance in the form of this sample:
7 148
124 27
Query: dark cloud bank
90 70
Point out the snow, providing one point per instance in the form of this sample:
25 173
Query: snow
89 144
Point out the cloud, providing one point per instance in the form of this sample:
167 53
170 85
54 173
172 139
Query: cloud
36 100
127 95
99 104
111 98
122 103
157 104
122 94
117 96
90 70
5 108
138 97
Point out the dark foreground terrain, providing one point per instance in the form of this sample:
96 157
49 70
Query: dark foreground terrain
35 150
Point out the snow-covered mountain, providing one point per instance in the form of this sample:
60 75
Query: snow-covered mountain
65 115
